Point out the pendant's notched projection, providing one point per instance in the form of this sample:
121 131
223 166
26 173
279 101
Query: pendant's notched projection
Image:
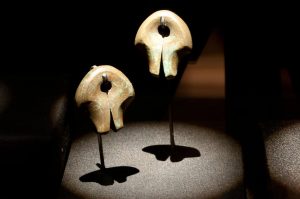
165 36
103 102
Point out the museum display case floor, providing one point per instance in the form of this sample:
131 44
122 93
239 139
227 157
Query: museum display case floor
206 162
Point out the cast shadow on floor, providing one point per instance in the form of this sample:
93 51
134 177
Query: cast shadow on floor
108 176
176 152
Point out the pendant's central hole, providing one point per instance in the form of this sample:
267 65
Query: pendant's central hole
163 30
106 84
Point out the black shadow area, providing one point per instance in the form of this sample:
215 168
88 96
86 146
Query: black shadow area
107 176
176 152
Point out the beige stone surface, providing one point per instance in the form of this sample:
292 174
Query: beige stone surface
101 104
165 49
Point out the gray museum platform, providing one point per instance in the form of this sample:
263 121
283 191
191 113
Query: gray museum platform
206 162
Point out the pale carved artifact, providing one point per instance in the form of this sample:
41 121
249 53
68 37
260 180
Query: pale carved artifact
165 36
103 103
105 91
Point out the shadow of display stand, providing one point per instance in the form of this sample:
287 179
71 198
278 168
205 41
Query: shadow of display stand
107 176
176 152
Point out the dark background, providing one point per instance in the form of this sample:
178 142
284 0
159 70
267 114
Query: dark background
48 48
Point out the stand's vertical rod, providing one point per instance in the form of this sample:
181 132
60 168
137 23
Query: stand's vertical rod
172 140
102 166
